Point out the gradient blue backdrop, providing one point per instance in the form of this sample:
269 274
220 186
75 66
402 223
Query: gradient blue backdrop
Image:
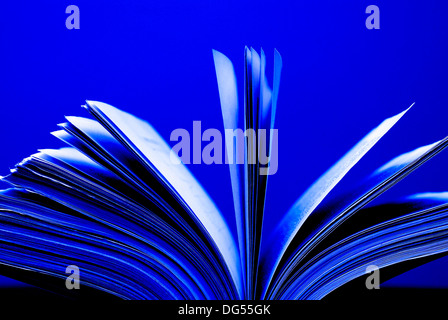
154 59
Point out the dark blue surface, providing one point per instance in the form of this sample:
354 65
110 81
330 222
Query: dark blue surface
432 275
154 60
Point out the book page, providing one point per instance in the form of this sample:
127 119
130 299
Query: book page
149 146
284 232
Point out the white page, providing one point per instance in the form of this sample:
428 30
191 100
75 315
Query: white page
141 137
228 96
282 235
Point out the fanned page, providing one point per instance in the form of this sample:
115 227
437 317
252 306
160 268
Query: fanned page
153 151
161 248
322 229
228 94
414 227
282 234
249 178
113 203
275 264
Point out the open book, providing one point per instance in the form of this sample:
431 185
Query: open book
138 225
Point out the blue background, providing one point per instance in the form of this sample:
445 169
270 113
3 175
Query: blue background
154 59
